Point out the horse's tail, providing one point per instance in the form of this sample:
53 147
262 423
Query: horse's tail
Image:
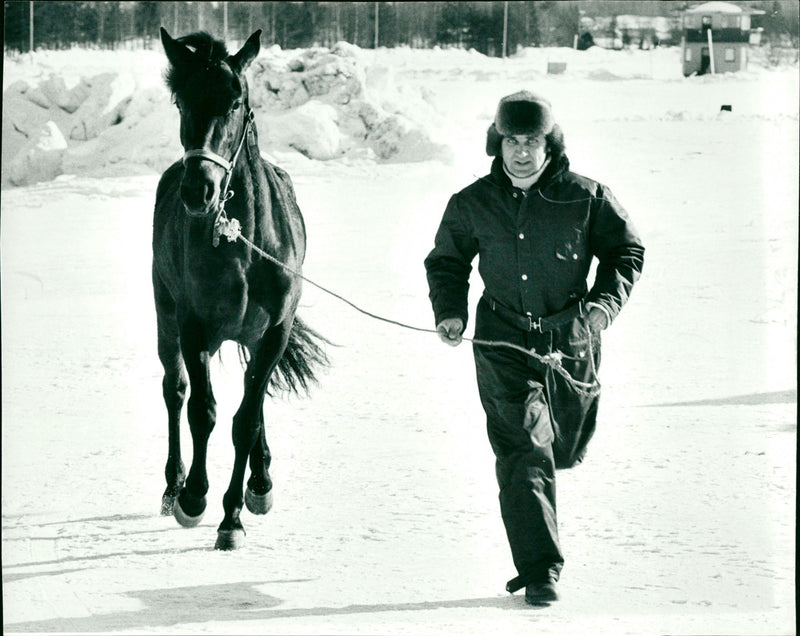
304 354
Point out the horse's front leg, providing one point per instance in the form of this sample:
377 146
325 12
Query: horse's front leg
247 423
202 414
174 391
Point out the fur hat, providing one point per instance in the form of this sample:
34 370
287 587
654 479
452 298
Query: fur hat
522 113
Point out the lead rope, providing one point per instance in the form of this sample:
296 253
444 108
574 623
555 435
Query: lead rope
231 229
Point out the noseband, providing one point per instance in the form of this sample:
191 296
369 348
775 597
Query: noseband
209 155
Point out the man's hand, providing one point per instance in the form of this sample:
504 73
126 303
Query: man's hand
450 331
596 320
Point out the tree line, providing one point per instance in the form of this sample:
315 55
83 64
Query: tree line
488 27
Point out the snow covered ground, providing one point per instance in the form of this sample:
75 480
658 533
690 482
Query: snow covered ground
681 521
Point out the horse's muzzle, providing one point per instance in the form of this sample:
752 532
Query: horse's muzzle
199 192
199 211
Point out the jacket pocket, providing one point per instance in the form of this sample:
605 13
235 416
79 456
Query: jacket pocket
571 248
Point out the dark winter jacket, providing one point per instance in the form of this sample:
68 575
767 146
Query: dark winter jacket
535 250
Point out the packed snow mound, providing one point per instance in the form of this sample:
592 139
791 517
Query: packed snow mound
328 103
42 155
323 103
282 81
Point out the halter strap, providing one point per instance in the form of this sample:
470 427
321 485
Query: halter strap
204 153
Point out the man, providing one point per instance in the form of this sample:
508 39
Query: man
536 227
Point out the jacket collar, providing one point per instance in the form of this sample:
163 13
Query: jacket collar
557 167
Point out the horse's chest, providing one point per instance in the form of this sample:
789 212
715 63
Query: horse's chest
236 300
218 293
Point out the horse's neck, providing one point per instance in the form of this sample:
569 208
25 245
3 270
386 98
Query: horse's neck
254 205
275 222
247 174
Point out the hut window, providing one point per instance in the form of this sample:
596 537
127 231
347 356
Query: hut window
730 55
730 21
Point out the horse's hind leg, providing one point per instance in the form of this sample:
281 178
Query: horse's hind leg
258 496
202 413
174 390
249 417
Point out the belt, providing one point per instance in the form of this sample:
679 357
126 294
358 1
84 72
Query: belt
528 323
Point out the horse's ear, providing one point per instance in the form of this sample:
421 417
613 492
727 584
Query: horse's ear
247 53
178 54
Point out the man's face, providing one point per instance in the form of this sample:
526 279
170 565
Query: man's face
523 155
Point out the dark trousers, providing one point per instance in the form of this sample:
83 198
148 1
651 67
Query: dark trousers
536 423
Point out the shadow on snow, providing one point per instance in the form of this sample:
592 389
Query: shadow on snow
229 602
775 397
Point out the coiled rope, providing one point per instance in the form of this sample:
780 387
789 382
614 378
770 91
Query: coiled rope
231 229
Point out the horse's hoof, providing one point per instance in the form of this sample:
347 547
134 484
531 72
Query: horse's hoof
185 519
258 504
229 539
167 505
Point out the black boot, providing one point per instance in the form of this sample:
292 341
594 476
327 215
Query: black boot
541 593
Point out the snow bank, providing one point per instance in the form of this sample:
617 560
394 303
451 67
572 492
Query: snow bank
105 119
114 119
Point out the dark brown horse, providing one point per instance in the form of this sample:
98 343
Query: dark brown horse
208 291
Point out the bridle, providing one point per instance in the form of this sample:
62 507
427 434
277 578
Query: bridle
210 155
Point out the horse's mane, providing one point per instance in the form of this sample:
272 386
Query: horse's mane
208 51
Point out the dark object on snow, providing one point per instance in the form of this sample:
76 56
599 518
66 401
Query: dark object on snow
586 41
726 107
208 291
556 68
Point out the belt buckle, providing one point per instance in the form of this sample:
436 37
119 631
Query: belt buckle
535 324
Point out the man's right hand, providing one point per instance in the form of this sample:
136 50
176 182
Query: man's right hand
450 331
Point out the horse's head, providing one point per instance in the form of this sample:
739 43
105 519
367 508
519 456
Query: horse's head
210 91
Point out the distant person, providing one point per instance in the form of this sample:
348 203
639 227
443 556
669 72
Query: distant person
585 42
536 227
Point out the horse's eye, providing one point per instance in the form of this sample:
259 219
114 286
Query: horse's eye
236 105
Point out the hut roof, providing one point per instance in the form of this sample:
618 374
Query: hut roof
719 7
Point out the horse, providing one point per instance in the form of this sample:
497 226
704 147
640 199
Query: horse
209 291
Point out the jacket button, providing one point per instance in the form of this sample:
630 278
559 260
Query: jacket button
521 235
524 277
574 257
